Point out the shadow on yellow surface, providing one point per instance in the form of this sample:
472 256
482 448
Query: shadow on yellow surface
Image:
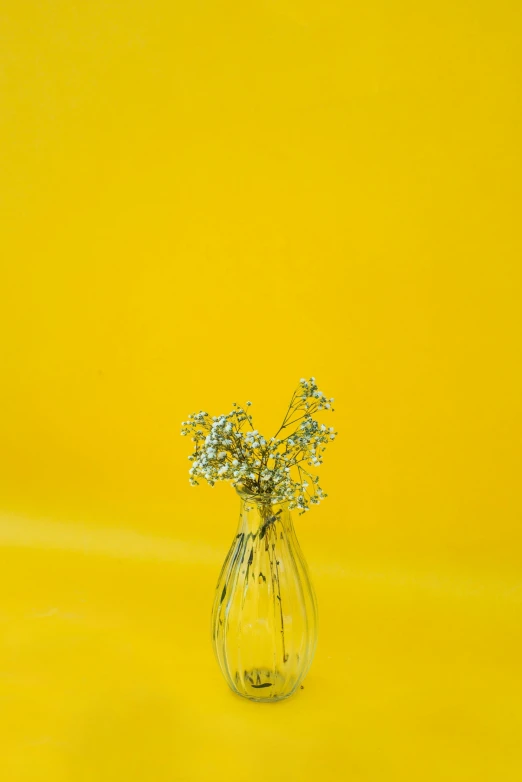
108 671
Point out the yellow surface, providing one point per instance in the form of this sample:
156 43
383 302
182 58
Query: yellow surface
202 202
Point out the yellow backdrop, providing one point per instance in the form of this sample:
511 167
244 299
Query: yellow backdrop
202 202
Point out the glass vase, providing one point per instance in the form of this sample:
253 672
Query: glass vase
264 617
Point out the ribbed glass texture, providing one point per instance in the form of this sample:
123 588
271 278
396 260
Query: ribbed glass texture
264 618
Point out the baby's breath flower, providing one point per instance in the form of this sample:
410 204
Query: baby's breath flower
275 466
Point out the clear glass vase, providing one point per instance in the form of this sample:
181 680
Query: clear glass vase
264 618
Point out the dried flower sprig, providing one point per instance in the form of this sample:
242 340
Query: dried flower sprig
228 448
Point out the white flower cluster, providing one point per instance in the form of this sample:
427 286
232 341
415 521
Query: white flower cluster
228 448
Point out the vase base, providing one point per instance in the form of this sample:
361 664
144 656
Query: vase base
263 685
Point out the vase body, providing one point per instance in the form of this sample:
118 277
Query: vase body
264 617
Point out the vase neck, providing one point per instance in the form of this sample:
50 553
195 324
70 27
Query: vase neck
255 515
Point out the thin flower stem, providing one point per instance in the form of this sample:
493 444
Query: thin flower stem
286 416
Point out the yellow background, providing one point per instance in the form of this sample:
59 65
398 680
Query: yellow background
202 202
